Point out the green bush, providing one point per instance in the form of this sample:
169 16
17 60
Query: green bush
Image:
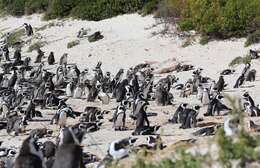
217 18
83 9
37 45
73 43
240 60
204 40
15 37
36 6
253 38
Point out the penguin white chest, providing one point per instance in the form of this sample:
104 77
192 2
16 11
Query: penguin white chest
62 119
77 93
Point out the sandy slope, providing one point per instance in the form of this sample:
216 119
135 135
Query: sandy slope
128 41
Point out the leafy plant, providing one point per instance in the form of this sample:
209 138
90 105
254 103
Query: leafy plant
73 43
240 60
37 45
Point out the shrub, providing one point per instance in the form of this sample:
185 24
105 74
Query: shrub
253 38
36 6
15 37
204 40
149 7
73 43
240 60
218 18
37 45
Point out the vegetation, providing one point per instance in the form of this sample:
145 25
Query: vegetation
240 60
253 38
15 37
219 18
37 45
73 43
83 9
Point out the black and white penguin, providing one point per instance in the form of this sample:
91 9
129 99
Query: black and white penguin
69 152
176 117
205 97
251 75
16 124
78 92
142 123
39 56
30 155
227 72
103 97
118 148
189 119
64 59
216 106
49 150
240 81
207 131
247 97
70 89
51 58
220 85
62 114
119 118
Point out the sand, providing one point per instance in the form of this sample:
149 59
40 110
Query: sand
128 41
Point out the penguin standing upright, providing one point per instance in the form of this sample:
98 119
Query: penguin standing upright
119 120
220 84
69 153
176 117
51 59
78 92
30 155
199 92
39 56
64 59
240 81
69 89
205 97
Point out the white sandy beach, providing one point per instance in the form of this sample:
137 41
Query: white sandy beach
128 41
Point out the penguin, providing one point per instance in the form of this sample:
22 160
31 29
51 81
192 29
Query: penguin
189 118
16 124
39 56
104 98
119 120
49 150
227 72
251 75
12 80
200 92
227 129
240 81
62 114
253 54
30 155
64 59
205 97
248 98
69 153
78 92
220 85
176 117
7 152
70 89
118 148
142 123
207 131
51 58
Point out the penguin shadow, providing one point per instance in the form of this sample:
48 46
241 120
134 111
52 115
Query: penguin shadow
40 120
151 114
207 124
